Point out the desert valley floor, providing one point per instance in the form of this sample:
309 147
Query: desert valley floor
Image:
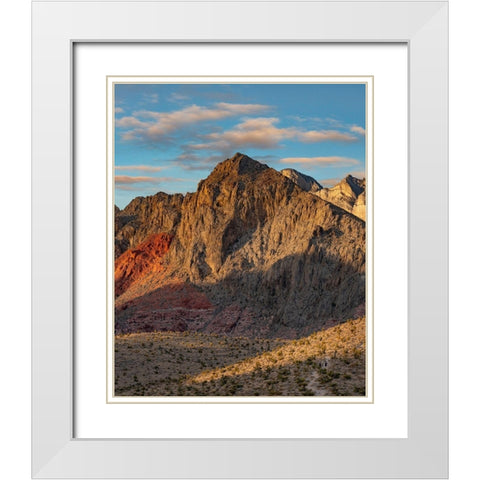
327 363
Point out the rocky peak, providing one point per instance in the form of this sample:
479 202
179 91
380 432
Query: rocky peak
145 204
349 194
305 182
239 165
357 185
143 216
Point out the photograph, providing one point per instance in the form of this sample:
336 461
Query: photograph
239 238
237 262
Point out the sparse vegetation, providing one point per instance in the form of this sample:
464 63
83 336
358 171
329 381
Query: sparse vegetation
329 362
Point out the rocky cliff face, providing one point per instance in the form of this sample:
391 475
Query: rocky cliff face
144 216
349 194
260 256
143 260
309 184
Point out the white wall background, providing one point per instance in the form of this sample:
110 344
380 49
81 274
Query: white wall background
15 238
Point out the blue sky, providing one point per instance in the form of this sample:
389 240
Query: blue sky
169 137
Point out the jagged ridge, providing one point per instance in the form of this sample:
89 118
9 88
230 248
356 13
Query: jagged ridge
305 182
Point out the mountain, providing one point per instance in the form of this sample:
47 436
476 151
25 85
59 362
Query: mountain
250 253
305 182
140 261
143 216
349 194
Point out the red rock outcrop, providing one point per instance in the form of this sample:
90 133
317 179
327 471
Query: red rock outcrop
144 216
143 260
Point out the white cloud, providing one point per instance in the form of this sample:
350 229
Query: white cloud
177 97
129 180
150 98
141 168
152 125
315 136
243 108
129 122
253 132
262 132
323 161
331 182
357 129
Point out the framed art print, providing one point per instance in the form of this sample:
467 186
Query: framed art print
223 284
251 239
275 380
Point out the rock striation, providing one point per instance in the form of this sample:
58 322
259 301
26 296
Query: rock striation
143 260
349 194
143 216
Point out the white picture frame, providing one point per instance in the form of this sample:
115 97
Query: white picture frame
56 27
